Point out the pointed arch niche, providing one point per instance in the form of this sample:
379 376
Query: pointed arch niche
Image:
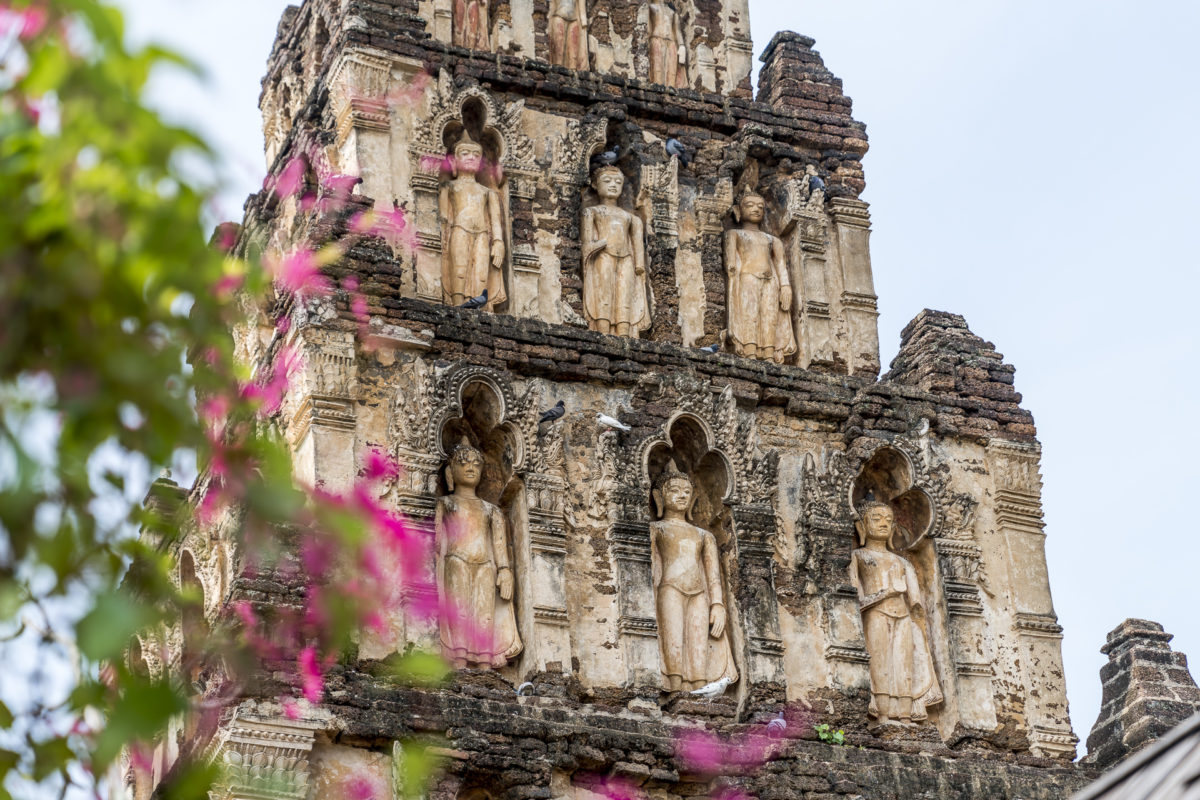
956 625
478 404
469 109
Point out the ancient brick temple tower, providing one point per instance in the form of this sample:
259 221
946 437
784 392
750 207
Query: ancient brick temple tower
773 519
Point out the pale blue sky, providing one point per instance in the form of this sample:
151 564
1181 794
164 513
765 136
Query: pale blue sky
1033 167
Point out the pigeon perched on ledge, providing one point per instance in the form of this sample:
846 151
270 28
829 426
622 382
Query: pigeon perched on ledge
676 148
479 301
608 158
712 348
551 414
714 689
610 422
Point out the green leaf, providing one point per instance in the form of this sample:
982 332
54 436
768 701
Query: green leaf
413 767
6 717
104 633
421 668
141 714
50 757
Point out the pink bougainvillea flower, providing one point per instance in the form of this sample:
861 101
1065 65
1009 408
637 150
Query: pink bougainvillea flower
210 505
291 709
140 758
300 273
378 465
434 163
245 613
312 680
750 750
613 788
227 285
365 787
26 23
493 170
700 751
410 94
394 226
226 236
358 307
340 185
213 409
318 555
362 222
291 179
269 393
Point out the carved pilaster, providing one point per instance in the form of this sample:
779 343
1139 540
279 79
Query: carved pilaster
321 406
637 626
359 85
755 528
852 222
1018 509
660 190
547 568
263 758
806 230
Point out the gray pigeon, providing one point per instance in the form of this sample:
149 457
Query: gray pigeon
712 348
676 148
608 158
479 301
552 414
815 184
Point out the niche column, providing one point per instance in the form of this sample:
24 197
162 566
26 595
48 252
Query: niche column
852 223
321 406
1018 486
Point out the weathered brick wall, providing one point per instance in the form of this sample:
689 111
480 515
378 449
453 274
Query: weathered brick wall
946 384
1148 690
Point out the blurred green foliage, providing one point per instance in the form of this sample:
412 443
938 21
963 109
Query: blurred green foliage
108 286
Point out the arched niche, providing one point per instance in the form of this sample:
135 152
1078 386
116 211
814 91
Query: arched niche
136 659
689 442
473 120
478 417
888 477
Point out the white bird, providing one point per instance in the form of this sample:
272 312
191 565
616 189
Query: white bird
521 689
610 422
777 727
714 689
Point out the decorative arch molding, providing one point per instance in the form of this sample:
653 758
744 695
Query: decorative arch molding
665 439
741 515
450 398
928 479
432 406
448 105
573 155
503 139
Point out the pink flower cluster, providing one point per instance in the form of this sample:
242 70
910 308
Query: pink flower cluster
26 22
